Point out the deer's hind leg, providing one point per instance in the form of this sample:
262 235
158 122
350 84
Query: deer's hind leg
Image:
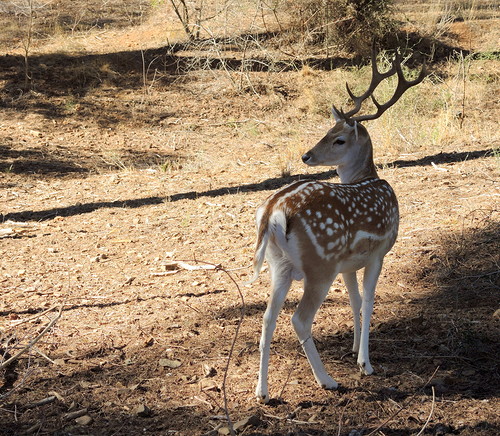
314 295
370 278
351 283
281 275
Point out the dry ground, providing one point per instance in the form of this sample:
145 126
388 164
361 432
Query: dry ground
106 181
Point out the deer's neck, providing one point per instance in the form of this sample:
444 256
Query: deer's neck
359 167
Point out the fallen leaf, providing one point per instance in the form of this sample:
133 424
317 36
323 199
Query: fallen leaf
209 385
208 370
142 411
57 395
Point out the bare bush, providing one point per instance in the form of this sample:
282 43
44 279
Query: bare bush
193 14
339 24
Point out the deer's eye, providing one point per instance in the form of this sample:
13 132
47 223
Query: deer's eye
339 141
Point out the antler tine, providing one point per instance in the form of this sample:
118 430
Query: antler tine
340 113
377 77
402 86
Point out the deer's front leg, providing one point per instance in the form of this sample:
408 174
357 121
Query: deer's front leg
282 280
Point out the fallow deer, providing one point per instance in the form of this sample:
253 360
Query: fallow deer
314 230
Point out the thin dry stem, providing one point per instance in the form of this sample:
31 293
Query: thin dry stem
405 405
34 341
218 267
430 413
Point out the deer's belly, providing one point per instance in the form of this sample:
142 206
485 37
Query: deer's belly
363 248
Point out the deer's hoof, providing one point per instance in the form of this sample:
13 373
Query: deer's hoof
330 384
262 395
365 368
263 399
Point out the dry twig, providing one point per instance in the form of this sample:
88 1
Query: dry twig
218 267
405 405
430 413
33 341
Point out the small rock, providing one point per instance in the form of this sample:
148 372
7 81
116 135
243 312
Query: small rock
496 314
129 280
143 411
252 420
170 363
84 420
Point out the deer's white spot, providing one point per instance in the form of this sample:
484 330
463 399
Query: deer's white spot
332 245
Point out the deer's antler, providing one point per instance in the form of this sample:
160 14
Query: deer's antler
378 77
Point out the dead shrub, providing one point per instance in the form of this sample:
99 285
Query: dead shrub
349 25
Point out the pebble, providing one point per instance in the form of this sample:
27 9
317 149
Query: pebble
84 420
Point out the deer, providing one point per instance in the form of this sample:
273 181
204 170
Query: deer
312 231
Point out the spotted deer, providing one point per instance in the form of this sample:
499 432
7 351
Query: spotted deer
315 230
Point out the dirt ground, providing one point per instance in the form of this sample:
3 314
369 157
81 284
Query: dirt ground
109 195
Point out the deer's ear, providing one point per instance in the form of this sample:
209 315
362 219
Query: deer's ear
337 115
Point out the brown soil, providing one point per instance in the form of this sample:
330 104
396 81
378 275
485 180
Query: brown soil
103 186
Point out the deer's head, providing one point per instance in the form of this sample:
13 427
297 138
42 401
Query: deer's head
348 143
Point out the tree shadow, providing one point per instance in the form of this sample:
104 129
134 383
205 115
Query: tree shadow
51 162
70 307
266 185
